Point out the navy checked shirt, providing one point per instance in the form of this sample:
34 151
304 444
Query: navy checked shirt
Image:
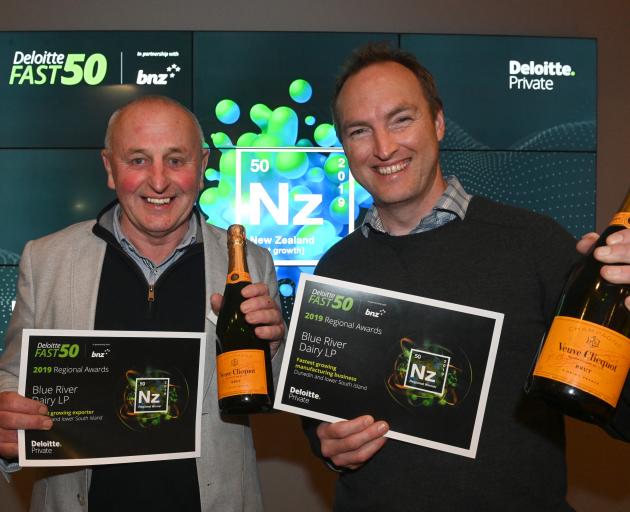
451 205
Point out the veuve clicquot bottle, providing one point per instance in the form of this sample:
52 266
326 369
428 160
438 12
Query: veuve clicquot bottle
583 361
243 361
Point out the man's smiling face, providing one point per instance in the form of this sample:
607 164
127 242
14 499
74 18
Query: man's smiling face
391 138
154 163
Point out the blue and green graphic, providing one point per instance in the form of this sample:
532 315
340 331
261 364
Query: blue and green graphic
294 195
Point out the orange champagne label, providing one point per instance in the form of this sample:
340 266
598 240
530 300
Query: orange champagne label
621 219
586 356
237 277
241 372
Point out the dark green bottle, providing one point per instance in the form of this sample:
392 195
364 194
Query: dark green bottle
244 378
583 362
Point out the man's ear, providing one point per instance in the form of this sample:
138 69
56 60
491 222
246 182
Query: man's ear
440 125
205 154
105 156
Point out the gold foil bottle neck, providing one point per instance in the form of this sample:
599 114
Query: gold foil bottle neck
622 217
236 234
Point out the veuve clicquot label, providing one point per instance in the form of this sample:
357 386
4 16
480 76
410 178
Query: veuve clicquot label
586 356
241 372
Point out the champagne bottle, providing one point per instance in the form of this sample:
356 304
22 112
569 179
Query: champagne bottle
583 362
244 377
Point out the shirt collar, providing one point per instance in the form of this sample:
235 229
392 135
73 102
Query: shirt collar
451 205
189 238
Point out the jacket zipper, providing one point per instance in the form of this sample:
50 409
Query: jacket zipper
151 297
151 287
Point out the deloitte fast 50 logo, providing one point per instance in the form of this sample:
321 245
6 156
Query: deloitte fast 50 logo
53 68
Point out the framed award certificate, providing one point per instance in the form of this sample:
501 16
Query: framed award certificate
113 396
423 365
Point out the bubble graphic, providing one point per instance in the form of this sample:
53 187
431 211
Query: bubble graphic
300 91
294 202
317 159
221 140
227 111
292 164
315 174
283 123
267 140
209 202
326 136
260 114
247 139
212 174
227 164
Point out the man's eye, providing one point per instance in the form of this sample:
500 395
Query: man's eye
402 120
175 162
357 132
138 161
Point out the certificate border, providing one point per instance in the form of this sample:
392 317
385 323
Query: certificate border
27 333
471 450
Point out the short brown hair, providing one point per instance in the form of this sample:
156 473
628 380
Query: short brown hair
375 53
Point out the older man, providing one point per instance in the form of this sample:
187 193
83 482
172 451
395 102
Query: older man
149 262
426 236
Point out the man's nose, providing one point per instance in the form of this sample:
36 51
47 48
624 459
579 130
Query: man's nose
385 144
158 179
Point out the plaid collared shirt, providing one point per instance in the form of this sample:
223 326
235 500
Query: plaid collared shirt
151 271
451 205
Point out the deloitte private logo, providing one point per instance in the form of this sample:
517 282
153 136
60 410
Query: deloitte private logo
536 76
157 78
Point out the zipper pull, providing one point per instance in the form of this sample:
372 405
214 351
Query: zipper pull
151 294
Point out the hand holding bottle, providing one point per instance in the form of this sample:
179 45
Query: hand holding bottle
616 255
244 376
260 310
582 364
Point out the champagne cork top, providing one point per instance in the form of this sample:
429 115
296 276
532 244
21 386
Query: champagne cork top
236 230
236 233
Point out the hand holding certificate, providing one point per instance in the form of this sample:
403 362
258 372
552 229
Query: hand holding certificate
423 366
112 396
